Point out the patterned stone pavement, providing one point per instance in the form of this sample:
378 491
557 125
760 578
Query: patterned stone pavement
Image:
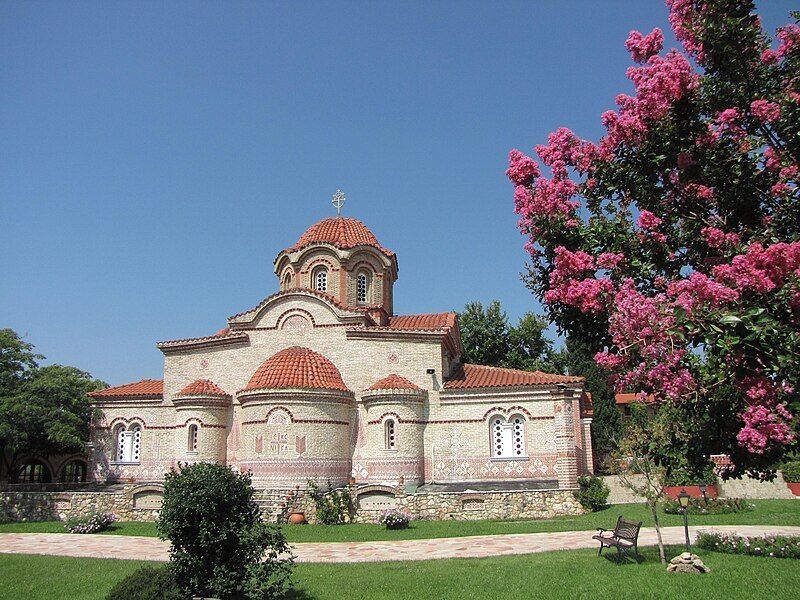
144 548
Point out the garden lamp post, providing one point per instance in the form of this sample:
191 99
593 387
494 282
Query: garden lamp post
683 498
703 487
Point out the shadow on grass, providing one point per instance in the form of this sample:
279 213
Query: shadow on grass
298 594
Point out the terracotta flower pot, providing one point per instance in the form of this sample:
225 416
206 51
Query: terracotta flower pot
794 487
297 518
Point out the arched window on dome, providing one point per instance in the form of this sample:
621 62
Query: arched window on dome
362 287
390 434
508 436
287 280
320 278
193 437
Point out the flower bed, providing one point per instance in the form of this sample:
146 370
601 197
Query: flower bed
714 506
770 546
395 519
91 524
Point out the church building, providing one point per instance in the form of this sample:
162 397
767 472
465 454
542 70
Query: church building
322 380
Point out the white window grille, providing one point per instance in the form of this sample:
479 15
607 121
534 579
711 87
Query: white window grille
391 437
119 443
321 280
193 435
508 437
136 440
362 287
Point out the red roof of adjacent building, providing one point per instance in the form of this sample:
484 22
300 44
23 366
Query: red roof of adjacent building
146 387
203 387
297 367
394 382
431 321
340 232
478 376
628 397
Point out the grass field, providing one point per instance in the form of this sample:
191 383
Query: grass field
767 512
565 574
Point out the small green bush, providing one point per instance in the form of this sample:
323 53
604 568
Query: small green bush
791 472
148 583
711 506
593 493
334 507
93 523
220 546
683 477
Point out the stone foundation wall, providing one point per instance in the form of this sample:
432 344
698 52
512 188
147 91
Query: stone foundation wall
131 503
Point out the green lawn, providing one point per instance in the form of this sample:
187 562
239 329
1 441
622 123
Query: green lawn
566 574
767 512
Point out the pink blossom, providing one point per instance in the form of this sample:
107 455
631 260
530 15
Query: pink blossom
764 429
609 361
769 57
685 20
780 189
609 260
648 221
765 110
718 239
760 269
772 159
789 36
685 161
522 169
729 115
700 289
643 47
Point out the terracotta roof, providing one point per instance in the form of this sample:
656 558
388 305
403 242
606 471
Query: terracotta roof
432 321
297 367
223 331
340 232
203 387
628 397
478 376
394 382
146 387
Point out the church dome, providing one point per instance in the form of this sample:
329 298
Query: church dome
203 387
297 367
340 232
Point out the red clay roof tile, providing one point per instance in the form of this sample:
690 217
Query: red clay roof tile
153 388
340 232
394 382
479 376
431 321
297 367
203 387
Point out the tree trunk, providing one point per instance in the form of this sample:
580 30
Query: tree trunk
661 554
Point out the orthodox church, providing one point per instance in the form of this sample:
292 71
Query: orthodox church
322 380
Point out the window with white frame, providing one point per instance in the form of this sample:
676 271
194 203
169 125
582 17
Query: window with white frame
508 437
362 287
128 443
321 280
390 434
193 436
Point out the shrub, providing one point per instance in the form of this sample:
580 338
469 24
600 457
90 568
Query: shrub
148 583
791 471
395 519
220 545
769 546
92 524
593 493
683 476
711 506
334 507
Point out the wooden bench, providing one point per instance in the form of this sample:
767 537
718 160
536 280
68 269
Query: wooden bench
624 537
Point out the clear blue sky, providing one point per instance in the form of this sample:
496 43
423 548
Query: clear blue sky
156 156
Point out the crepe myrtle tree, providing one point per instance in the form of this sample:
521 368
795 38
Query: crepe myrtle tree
672 245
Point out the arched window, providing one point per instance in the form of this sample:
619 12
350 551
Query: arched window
390 434
34 471
362 287
287 280
508 437
321 279
73 472
193 435
128 443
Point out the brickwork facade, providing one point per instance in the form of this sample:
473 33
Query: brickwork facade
506 426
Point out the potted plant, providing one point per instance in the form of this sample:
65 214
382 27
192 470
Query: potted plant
791 475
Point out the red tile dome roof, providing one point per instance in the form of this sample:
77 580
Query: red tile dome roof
340 232
203 387
297 367
394 382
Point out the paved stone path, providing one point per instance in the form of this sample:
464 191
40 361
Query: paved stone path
146 548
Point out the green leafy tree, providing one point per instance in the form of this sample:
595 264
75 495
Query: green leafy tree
43 410
220 546
488 339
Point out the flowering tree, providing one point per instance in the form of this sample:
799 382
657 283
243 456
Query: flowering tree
673 244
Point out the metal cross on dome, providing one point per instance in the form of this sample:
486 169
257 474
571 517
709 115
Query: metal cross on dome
338 201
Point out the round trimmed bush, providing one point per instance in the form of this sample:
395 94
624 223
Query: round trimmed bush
593 493
148 583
